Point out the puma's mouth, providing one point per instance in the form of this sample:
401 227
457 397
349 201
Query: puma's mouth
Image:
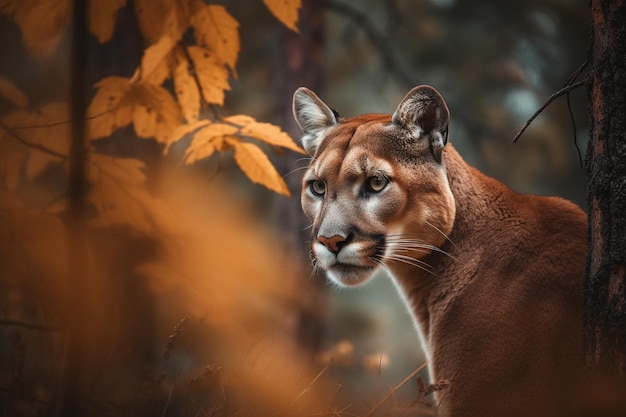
352 265
349 275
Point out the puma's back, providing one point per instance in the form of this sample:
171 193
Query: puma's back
492 277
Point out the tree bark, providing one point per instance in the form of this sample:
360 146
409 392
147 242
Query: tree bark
299 63
604 283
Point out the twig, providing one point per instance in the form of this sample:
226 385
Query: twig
63 122
568 83
180 368
222 396
308 387
550 99
30 144
424 391
396 388
571 116
171 339
577 73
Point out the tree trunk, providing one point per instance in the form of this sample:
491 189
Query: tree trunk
604 284
298 63
78 303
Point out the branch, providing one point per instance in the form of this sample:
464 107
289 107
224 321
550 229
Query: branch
11 131
64 122
30 144
564 90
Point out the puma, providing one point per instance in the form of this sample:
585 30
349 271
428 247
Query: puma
492 277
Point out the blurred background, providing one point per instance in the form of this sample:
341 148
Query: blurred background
197 294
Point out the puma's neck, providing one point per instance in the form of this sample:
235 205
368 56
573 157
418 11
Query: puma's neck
476 197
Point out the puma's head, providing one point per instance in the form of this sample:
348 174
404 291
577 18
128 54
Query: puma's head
376 189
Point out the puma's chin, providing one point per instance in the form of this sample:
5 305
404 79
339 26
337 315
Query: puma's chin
350 275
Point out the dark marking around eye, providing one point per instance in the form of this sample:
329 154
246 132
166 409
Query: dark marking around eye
375 184
317 187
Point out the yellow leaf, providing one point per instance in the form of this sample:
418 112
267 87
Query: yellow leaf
163 17
217 30
186 90
208 140
265 132
177 20
117 206
108 109
9 91
257 166
102 18
213 76
183 130
119 196
113 192
240 119
42 23
155 55
156 114
286 11
161 73
145 121
127 170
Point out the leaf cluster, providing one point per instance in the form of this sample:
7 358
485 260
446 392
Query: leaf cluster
176 92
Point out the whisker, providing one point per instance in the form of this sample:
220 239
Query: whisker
307 159
412 262
414 244
315 271
442 234
411 246
398 256
295 170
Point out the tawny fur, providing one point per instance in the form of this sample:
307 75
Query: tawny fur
494 289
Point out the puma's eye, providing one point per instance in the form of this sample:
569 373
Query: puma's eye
317 187
376 184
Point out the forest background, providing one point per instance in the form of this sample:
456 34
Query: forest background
181 286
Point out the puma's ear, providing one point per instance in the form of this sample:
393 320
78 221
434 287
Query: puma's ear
313 116
424 112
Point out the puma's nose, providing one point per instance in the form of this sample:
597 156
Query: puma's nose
334 243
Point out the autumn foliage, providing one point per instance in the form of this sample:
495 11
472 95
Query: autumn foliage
160 243
192 45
